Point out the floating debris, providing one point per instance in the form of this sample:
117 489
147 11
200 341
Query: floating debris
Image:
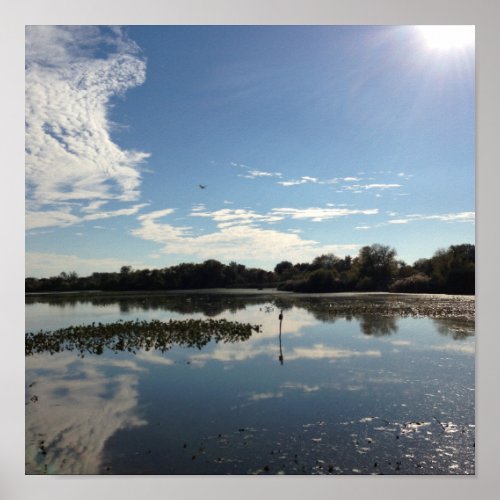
449 427
367 419
413 426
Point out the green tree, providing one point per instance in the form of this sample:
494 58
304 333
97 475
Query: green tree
211 274
453 270
323 280
284 270
325 261
282 267
377 266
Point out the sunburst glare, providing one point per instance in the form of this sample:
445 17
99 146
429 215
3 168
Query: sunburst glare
445 38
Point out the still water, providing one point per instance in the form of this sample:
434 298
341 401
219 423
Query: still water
355 384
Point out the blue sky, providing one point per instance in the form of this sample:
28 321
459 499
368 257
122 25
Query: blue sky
309 139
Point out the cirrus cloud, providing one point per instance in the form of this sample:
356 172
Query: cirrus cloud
318 214
72 165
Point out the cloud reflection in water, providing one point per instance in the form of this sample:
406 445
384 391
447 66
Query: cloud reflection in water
73 407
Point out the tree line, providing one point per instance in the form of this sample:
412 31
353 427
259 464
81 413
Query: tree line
375 268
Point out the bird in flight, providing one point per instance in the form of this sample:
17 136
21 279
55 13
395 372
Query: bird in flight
202 186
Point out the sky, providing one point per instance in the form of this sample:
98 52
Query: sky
307 140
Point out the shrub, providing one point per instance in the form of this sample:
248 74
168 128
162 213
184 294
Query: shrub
418 283
365 284
321 280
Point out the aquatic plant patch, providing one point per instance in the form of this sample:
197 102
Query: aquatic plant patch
135 335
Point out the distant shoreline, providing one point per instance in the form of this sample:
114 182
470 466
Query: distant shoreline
238 291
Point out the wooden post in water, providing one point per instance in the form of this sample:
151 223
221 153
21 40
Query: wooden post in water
281 352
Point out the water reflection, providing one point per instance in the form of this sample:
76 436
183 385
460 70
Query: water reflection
378 325
361 386
281 351
321 351
328 307
73 408
457 329
182 303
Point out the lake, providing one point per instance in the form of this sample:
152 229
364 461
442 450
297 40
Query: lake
354 384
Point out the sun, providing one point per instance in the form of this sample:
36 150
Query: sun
447 37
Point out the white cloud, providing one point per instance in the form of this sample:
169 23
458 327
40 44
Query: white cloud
307 180
237 238
63 216
115 213
44 264
292 182
93 206
253 174
199 207
47 218
451 217
358 187
72 165
355 188
227 217
319 214
157 214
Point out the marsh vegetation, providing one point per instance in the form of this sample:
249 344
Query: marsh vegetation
132 336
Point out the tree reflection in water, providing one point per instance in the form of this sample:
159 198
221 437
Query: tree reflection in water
458 329
378 326
326 307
